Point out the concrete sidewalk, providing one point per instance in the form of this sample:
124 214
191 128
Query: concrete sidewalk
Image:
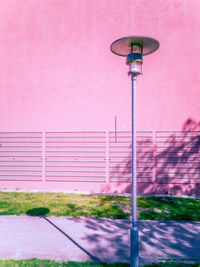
107 240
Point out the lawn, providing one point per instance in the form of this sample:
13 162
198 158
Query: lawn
169 208
100 206
59 204
50 263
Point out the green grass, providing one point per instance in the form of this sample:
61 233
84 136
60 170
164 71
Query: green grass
100 206
58 204
169 208
174 263
50 263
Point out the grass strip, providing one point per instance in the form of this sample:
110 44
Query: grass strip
169 208
99 206
51 263
59 204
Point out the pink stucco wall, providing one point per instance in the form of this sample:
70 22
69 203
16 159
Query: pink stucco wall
57 71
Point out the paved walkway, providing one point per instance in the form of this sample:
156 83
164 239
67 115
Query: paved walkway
81 239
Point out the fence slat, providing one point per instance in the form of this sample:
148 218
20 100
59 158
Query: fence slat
20 156
120 156
76 156
178 156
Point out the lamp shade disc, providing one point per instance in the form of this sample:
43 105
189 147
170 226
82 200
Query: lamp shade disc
122 47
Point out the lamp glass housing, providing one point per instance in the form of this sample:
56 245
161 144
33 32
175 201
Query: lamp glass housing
135 67
134 59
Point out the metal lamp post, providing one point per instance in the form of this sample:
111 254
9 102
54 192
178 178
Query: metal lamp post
134 48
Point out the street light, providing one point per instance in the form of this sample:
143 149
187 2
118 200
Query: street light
134 48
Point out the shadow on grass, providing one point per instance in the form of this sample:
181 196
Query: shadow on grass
41 211
169 208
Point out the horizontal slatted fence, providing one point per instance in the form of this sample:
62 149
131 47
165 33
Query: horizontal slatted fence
120 151
20 156
97 157
76 156
178 157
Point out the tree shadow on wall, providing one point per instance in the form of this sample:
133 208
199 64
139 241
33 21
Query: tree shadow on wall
121 170
178 159
174 162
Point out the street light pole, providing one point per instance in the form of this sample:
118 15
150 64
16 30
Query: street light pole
134 48
134 229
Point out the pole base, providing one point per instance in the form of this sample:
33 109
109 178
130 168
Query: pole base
134 247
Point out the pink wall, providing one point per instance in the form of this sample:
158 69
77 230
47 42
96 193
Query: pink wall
57 72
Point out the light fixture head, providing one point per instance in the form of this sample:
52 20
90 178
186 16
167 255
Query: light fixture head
134 48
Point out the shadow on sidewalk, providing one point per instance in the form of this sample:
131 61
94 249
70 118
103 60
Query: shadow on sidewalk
107 238
93 258
158 239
